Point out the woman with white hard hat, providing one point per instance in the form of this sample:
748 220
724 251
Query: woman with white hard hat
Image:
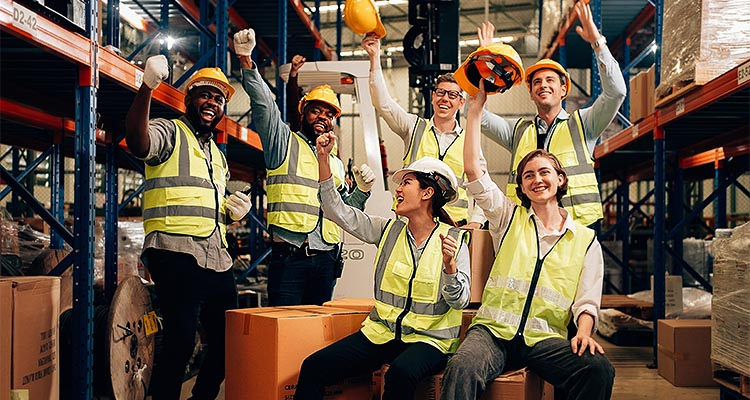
421 283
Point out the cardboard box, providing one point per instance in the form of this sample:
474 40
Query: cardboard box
35 312
352 303
466 317
684 352
481 257
266 347
636 97
6 333
519 384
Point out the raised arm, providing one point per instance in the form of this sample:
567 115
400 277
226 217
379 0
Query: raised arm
293 93
472 149
136 131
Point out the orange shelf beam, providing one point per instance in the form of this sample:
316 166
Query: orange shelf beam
320 42
34 117
625 137
567 23
714 156
723 86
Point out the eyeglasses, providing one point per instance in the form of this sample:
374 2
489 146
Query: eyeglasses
452 94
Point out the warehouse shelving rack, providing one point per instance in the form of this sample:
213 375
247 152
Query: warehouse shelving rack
63 95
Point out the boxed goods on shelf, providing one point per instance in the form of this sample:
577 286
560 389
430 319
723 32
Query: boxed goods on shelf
730 331
701 40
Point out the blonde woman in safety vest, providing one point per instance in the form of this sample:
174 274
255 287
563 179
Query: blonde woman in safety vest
548 270
421 283
185 212
571 137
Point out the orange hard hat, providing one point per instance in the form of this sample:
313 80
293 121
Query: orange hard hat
322 93
498 64
546 63
362 17
213 77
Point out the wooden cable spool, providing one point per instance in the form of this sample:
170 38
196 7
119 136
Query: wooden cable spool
130 329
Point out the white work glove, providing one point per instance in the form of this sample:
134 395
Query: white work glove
157 69
244 42
238 205
364 176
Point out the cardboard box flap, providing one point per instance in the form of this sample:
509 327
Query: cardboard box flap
513 376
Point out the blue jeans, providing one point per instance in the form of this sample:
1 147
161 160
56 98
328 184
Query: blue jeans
300 276
355 355
187 293
482 357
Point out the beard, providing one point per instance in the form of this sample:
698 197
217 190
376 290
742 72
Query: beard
201 128
308 129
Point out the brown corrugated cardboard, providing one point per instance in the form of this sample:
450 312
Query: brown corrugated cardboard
519 384
35 315
684 352
266 347
352 303
6 332
636 97
481 257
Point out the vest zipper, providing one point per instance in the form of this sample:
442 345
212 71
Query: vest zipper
534 280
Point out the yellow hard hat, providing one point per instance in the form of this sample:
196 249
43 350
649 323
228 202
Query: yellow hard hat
213 77
363 17
498 64
546 63
322 93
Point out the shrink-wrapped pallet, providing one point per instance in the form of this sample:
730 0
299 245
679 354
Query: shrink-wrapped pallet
701 40
730 328
554 12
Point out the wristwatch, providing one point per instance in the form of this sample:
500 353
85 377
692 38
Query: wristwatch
599 42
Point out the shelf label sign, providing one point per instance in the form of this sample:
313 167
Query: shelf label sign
679 107
25 19
743 73
635 131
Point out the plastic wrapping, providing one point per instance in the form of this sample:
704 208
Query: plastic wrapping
612 321
8 235
696 303
701 40
553 14
730 330
129 244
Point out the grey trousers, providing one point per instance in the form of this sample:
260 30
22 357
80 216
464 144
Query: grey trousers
482 357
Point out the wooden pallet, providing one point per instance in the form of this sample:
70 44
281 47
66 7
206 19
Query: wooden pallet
734 381
636 308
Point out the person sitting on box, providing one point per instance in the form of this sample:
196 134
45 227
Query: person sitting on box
548 269
422 282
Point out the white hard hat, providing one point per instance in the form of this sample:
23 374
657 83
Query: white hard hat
437 170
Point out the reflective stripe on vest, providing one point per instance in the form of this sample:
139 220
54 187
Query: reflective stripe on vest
408 303
568 143
518 270
184 195
292 191
425 143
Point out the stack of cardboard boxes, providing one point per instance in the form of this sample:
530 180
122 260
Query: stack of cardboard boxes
29 314
642 95
266 346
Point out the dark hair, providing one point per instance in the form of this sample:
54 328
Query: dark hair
438 198
561 190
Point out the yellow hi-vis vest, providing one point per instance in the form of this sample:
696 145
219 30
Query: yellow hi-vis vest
408 303
583 200
508 307
424 143
292 191
184 195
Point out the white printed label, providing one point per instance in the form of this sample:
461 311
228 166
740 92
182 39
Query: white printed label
743 73
24 19
679 107
138 78
635 131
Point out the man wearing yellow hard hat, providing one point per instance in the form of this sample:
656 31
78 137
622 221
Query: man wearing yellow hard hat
570 136
306 250
185 213
440 136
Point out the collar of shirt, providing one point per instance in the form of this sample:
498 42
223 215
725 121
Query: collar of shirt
541 125
542 231
457 130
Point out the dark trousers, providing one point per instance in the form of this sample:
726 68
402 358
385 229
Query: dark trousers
482 357
187 292
301 276
356 355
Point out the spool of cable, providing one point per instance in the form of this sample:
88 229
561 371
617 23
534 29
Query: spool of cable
131 328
